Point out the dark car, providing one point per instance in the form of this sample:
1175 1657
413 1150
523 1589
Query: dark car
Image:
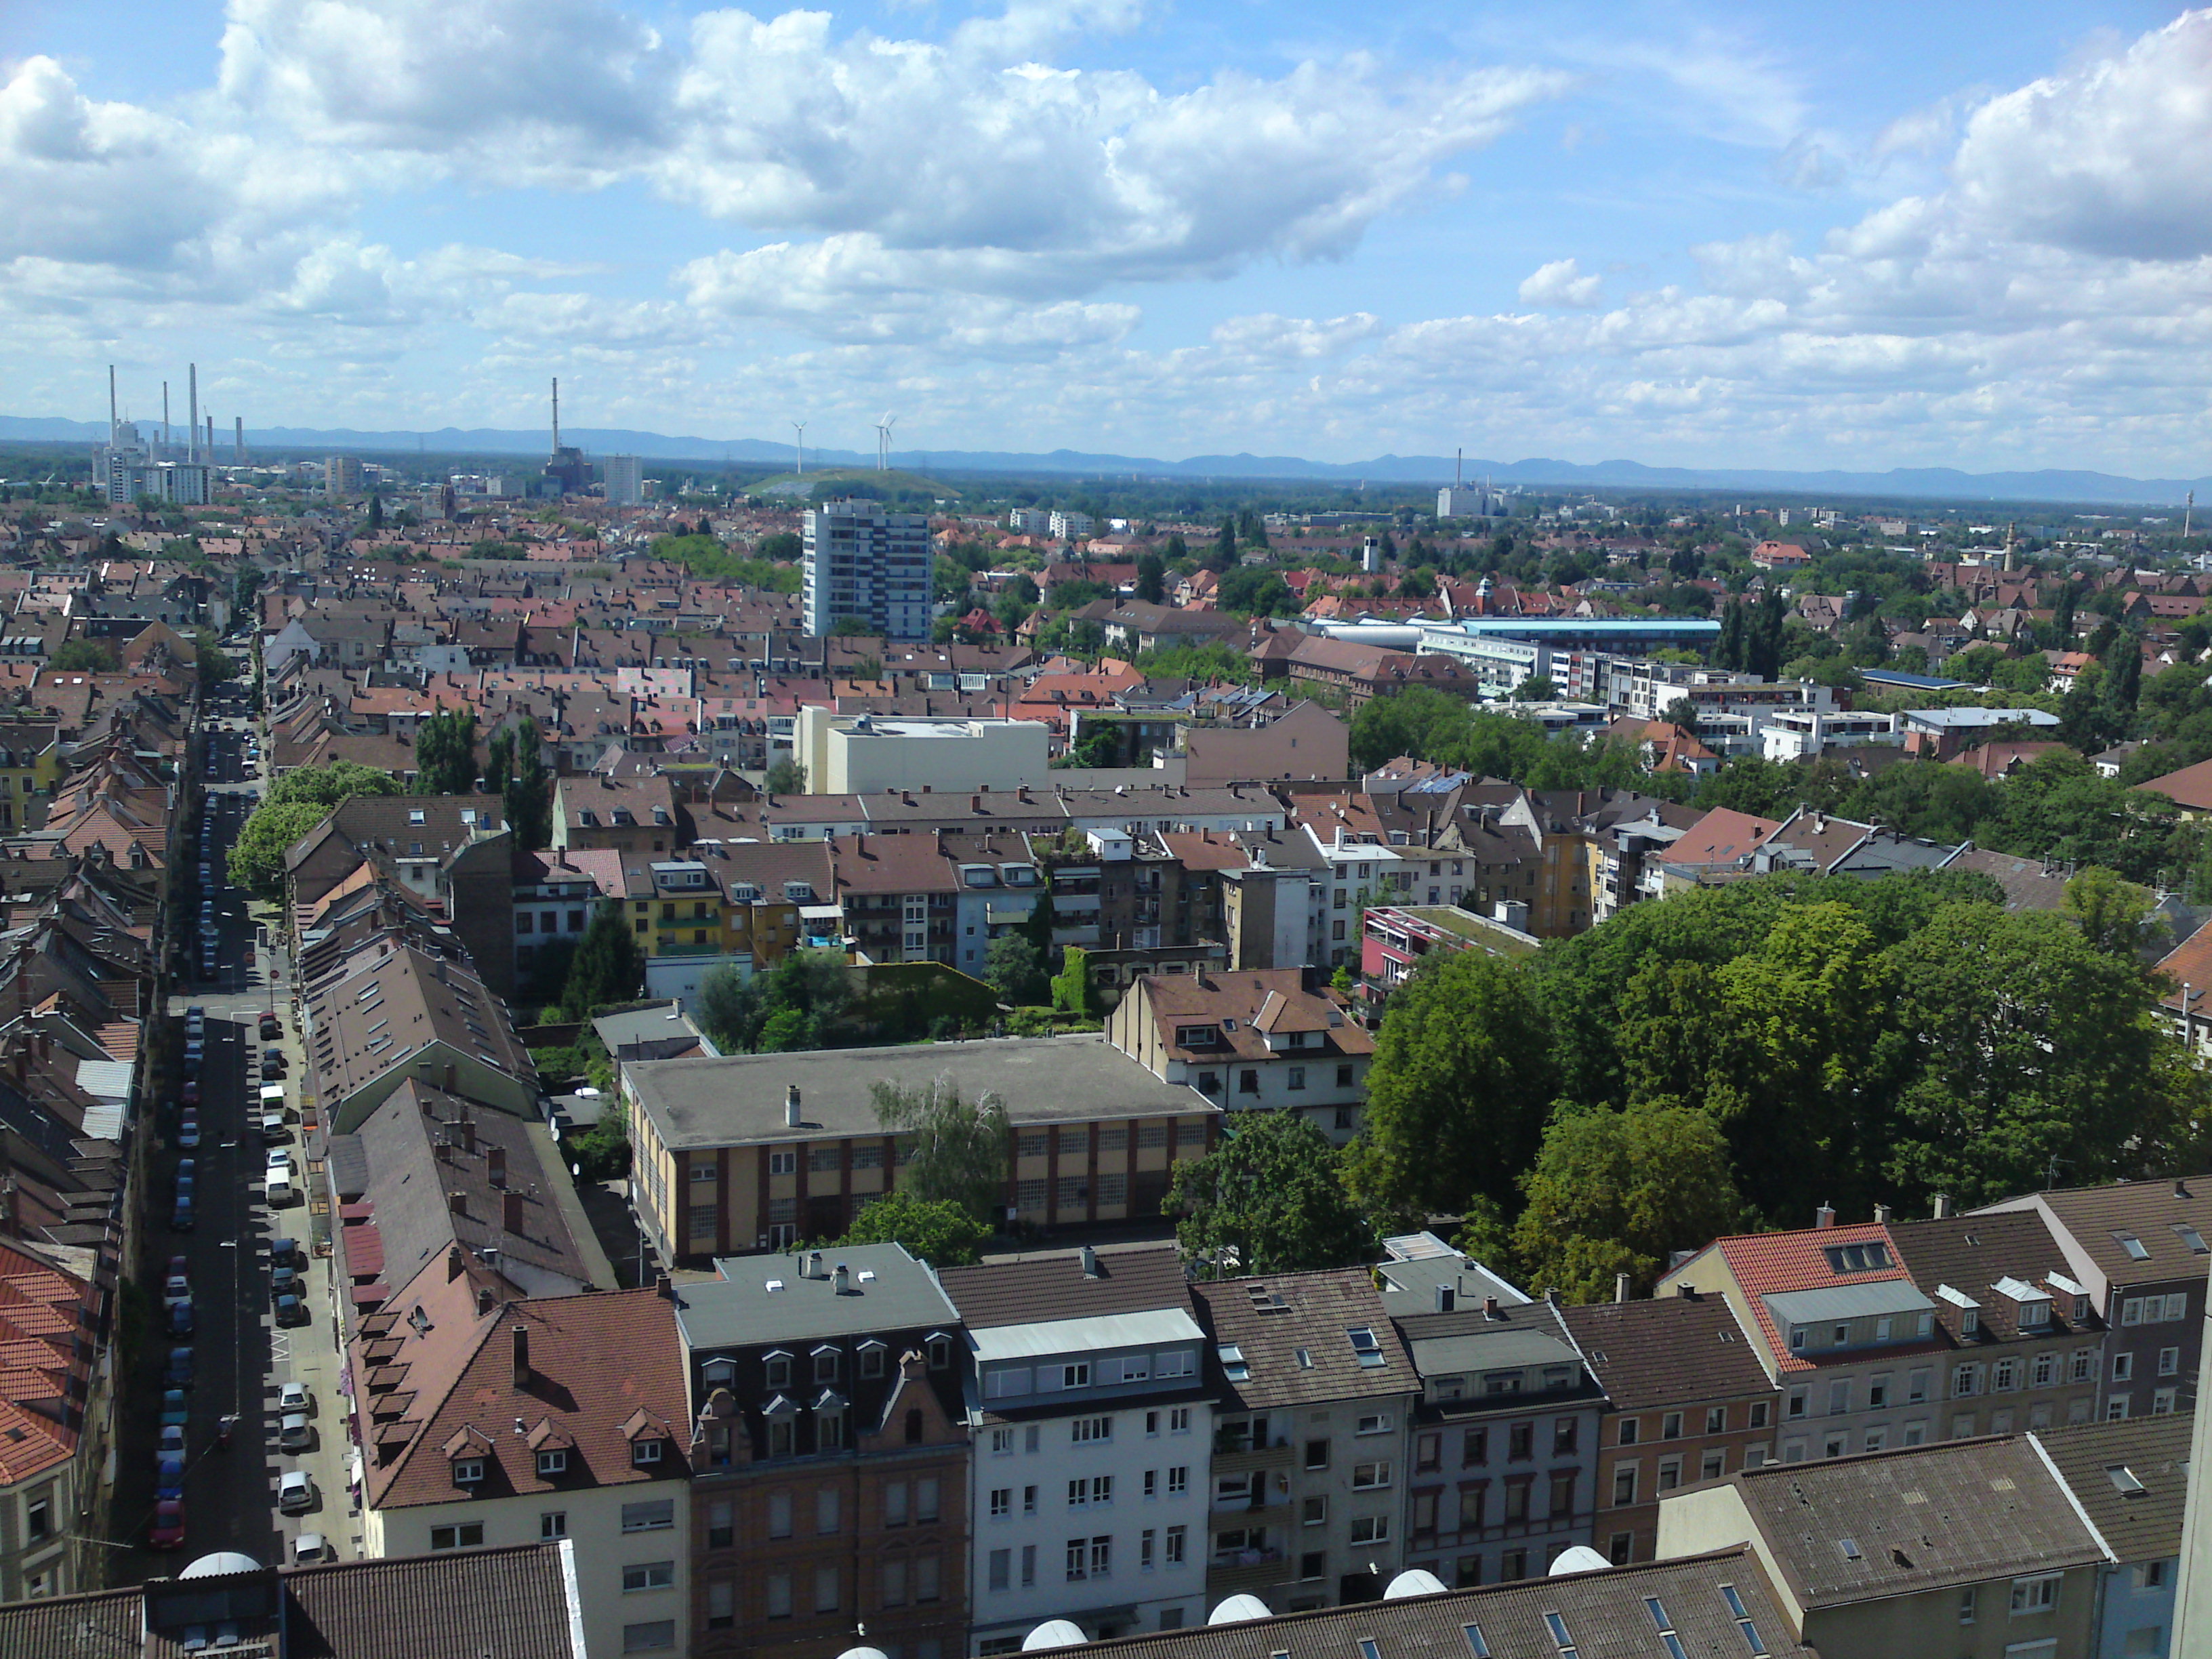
181 1219
179 1372
169 1480
168 1528
272 1066
272 1028
181 1319
284 1281
188 1131
284 1252
290 1310
190 1094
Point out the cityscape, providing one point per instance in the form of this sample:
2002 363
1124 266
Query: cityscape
1111 977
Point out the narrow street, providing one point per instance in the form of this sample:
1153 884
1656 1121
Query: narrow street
241 1356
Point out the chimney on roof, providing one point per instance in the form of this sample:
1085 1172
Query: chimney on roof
495 1165
1686 1290
468 1135
1447 1298
521 1333
457 1203
791 1107
1824 1215
1621 1287
813 1265
453 1263
844 1280
1490 1308
510 1212
1942 1206
1089 1258
2180 1187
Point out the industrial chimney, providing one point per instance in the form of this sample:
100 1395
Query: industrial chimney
192 401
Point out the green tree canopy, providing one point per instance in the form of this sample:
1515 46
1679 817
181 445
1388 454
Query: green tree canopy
609 966
936 1230
1269 1199
84 657
1015 969
1461 1083
445 753
527 793
957 1146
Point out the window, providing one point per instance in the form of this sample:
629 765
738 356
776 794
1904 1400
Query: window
1178 1481
649 1637
825 1510
467 1471
1179 1418
648 1575
721 1605
1561 1638
1759 1413
1798 1397
2169 1362
779 1511
1716 1418
1371 1528
783 1163
828 1589
925 1500
553 1523
721 1531
1670 1473
1628 1429
552 1462
1029 1500
1624 1485
1087 1430
461 1535
1521 1442
779 1595
2124 1368
1743 1617
1174 1544
1001 1569
1366 1477
655 1515
2162 1402
1075 1377
1295 1077
2036 1593
1314 1511
1375 1423
1002 1502
1564 1436
1713 1465
1365 1348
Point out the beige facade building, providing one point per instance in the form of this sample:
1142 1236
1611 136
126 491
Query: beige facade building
759 1151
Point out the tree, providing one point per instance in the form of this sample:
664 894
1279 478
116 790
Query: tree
1015 969
1151 577
499 763
1457 1098
2114 915
1618 1192
1072 989
528 794
256 861
1681 712
958 1146
1537 688
609 966
216 666
936 1230
375 513
84 657
445 753
602 1151
1269 1199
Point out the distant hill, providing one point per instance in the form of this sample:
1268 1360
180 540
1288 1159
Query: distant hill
1944 484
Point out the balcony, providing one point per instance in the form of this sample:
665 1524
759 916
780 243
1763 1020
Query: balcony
1246 1572
1235 1456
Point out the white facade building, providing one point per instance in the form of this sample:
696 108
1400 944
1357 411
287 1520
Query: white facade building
869 566
1070 526
1028 521
625 480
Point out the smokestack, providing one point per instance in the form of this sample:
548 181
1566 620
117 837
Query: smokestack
238 437
210 446
192 436
522 1355
113 420
469 1134
1621 1287
165 413
556 414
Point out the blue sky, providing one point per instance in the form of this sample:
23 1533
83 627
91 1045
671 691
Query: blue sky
1791 235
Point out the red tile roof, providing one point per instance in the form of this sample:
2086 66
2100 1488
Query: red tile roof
1770 1264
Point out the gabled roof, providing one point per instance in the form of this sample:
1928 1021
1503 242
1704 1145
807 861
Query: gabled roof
2098 1220
1773 1264
1973 1254
2131 1476
1292 1336
1667 1351
1052 1285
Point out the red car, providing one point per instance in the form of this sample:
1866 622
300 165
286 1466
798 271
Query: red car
190 1094
168 1533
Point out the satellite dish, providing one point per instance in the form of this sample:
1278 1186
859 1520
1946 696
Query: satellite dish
1580 1558
221 1564
864 1653
1054 1634
1237 1609
1415 1581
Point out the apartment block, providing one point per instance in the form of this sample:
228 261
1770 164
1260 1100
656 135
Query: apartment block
866 565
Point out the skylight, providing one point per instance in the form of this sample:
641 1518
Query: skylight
1475 1644
2137 1249
1849 1546
2124 1480
1234 1366
1743 1617
1565 1642
1365 1348
1858 1258
2189 1235
1657 1609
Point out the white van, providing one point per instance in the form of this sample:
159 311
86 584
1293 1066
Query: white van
280 1188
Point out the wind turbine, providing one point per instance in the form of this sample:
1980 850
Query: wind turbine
883 441
800 426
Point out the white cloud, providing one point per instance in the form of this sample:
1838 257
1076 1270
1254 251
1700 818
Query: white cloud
2111 157
1561 284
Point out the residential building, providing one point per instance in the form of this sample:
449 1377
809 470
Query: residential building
1255 1041
625 479
2138 1253
999 890
1065 526
1314 1391
31 769
1092 1426
1506 1433
901 898
490 1423
1686 1401
868 565
831 1490
1401 936
2025 1350
1972 1548
639 818
2131 1478
1836 1322
48 1490
342 476
395 1011
518 1602
865 754
753 1151
557 893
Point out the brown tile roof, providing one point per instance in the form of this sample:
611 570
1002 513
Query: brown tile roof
1272 1319
1052 1285
1668 1350
2146 1211
2028 884
2191 787
1257 1001
2140 1526
1922 1518
1971 1253
595 1362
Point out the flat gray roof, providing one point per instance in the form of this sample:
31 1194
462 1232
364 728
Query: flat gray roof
771 1298
1150 1328
1501 1348
738 1098
1883 1295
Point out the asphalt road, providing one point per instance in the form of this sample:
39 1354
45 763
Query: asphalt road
241 1355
